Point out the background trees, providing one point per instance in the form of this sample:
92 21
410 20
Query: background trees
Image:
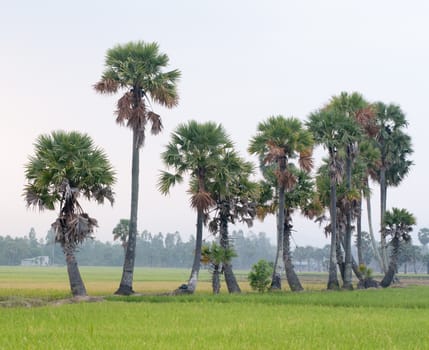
137 68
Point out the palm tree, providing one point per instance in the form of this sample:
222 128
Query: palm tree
355 109
216 257
234 196
121 232
67 165
197 149
398 224
137 69
333 131
278 141
395 148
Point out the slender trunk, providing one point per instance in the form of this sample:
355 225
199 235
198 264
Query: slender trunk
383 202
230 280
339 253
126 284
355 267
359 233
216 280
276 278
76 283
348 283
371 232
292 278
193 278
393 265
332 278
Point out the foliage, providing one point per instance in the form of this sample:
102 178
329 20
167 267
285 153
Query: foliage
259 276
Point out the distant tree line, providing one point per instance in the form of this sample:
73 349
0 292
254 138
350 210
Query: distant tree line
169 250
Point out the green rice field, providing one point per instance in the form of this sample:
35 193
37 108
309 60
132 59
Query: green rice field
36 312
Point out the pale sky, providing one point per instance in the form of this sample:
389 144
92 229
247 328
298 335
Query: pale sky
241 61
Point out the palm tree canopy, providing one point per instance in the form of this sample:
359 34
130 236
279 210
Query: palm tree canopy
137 67
282 137
67 157
332 129
197 149
398 223
394 144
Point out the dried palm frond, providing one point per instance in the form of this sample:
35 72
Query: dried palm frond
155 119
106 86
125 110
202 200
366 118
306 160
274 153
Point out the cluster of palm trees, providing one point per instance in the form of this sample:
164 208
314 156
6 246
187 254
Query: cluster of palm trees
363 140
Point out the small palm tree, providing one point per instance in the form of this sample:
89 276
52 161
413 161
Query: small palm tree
278 141
121 232
398 224
137 69
67 165
195 149
234 195
216 257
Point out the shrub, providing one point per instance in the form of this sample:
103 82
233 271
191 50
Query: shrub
260 276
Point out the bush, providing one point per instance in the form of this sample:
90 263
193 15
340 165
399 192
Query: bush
260 276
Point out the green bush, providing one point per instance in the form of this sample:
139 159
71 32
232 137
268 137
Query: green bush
260 276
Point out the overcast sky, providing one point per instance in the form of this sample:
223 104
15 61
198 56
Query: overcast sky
241 61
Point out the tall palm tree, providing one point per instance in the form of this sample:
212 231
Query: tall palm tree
332 130
234 195
67 165
278 141
398 224
352 107
137 69
197 149
395 148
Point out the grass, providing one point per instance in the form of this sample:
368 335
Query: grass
394 318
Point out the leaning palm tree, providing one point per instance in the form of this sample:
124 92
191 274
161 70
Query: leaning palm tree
398 224
195 149
67 165
137 69
278 141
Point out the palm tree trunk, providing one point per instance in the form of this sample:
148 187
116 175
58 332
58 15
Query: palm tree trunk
216 280
371 231
193 278
276 278
332 278
126 284
340 258
230 280
383 202
348 283
393 265
76 283
359 233
291 276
